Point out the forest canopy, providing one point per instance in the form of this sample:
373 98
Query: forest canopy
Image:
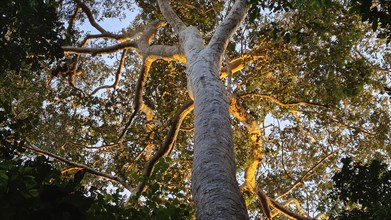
209 109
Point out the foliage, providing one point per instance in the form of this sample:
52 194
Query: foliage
378 14
312 84
362 191
30 32
35 188
32 189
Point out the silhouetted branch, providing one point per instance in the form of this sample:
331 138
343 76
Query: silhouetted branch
86 168
90 17
168 144
138 98
117 75
306 174
104 50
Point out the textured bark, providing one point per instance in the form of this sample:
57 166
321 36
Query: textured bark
215 190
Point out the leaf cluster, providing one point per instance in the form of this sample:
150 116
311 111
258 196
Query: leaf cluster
30 31
363 191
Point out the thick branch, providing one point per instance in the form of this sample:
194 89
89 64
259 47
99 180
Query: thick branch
167 53
227 28
86 168
241 62
149 125
168 144
255 135
254 130
170 16
276 211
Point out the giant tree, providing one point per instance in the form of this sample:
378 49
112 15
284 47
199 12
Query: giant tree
278 98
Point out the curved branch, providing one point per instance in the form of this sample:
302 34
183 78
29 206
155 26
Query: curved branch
306 174
281 208
168 144
90 17
278 102
149 125
73 19
86 168
97 51
241 62
117 75
254 130
138 97
264 203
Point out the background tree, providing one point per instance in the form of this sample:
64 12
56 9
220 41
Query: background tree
362 191
304 90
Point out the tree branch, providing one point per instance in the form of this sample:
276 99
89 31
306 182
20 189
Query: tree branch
138 97
171 16
254 130
241 62
97 51
73 19
168 144
227 28
90 17
278 102
117 76
86 168
306 174
286 212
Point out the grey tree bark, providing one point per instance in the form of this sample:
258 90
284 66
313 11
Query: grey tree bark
215 189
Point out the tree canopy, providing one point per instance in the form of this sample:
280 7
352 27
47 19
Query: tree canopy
305 83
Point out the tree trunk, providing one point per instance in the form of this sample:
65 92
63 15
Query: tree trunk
215 189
